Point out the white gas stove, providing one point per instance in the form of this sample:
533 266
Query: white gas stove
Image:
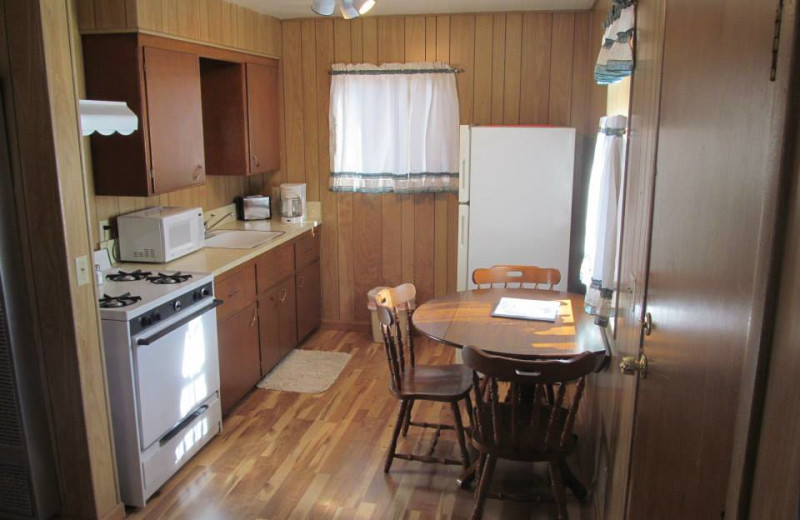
160 340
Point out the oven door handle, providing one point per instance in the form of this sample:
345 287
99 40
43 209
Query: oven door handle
182 425
178 324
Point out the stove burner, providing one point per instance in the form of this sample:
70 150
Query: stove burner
135 276
165 279
113 302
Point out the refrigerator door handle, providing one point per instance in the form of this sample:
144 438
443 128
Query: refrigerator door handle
464 165
463 247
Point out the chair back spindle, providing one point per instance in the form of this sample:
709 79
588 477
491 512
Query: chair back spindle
516 276
390 302
526 420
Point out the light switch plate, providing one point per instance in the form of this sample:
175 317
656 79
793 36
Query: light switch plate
82 269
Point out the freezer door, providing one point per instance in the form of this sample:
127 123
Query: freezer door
520 205
463 276
463 165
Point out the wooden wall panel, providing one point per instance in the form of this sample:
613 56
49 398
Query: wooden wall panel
543 73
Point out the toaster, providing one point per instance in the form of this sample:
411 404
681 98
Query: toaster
252 207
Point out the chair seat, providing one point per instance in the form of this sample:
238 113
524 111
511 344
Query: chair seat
531 437
434 383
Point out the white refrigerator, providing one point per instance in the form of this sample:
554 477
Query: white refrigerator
515 198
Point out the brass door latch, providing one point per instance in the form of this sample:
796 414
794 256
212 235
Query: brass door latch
630 366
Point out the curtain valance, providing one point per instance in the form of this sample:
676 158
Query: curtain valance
394 128
615 60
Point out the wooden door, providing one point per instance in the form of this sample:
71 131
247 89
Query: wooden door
262 98
269 324
238 356
287 315
309 300
712 160
175 119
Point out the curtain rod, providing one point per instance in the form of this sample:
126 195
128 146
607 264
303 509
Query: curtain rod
392 71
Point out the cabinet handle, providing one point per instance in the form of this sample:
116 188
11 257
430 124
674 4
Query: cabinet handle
255 315
300 282
255 160
197 171
313 232
283 295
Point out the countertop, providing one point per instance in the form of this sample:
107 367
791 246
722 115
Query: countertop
217 260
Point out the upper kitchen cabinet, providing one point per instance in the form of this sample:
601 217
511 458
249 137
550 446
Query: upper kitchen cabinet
262 98
202 110
162 87
240 116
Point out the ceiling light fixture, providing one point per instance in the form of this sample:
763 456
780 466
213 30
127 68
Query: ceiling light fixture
349 9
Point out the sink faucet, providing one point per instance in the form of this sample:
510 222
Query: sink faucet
215 224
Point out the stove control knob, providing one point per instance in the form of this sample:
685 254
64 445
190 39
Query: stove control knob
144 321
156 316
177 305
204 292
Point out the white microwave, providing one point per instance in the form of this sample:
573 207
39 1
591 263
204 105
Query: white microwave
160 234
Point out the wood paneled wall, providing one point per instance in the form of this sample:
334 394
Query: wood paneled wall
531 68
37 66
212 22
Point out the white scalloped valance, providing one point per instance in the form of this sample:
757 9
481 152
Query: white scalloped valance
615 60
107 117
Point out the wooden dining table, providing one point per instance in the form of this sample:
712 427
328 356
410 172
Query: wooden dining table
465 318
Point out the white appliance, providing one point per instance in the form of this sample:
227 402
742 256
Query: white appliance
160 234
515 198
293 194
160 342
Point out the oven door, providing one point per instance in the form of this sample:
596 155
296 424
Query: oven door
176 369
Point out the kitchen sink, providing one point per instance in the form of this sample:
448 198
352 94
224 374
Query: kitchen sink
238 239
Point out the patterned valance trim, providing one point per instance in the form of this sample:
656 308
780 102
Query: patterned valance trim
617 132
427 189
388 175
387 72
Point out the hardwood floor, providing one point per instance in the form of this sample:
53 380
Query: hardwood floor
285 455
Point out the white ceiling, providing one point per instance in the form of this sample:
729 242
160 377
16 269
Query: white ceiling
302 8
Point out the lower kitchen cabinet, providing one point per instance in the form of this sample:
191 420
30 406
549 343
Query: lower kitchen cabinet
309 297
277 317
238 355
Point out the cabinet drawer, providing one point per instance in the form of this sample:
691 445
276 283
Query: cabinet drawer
273 266
237 289
307 249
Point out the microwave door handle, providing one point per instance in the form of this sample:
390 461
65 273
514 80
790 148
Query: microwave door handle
178 324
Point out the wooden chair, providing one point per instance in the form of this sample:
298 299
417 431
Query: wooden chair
410 382
523 426
516 276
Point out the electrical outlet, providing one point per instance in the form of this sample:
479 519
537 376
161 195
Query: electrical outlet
105 231
82 269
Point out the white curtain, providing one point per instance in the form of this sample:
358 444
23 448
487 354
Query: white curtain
394 128
602 217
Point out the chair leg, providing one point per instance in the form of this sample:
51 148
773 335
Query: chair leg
559 493
468 403
407 420
483 486
462 443
478 471
393 446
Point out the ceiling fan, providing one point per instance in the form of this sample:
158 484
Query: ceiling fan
348 8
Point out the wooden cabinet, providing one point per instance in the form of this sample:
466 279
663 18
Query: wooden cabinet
238 355
240 116
309 299
271 304
262 100
202 110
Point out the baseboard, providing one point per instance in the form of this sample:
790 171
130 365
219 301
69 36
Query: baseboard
117 513
355 326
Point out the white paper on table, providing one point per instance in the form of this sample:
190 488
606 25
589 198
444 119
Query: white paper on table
542 310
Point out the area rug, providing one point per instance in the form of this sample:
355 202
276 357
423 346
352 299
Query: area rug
306 371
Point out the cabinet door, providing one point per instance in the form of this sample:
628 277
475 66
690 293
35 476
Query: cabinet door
262 98
287 316
269 324
238 356
175 120
309 300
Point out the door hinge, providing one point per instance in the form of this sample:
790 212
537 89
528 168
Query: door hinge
776 40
